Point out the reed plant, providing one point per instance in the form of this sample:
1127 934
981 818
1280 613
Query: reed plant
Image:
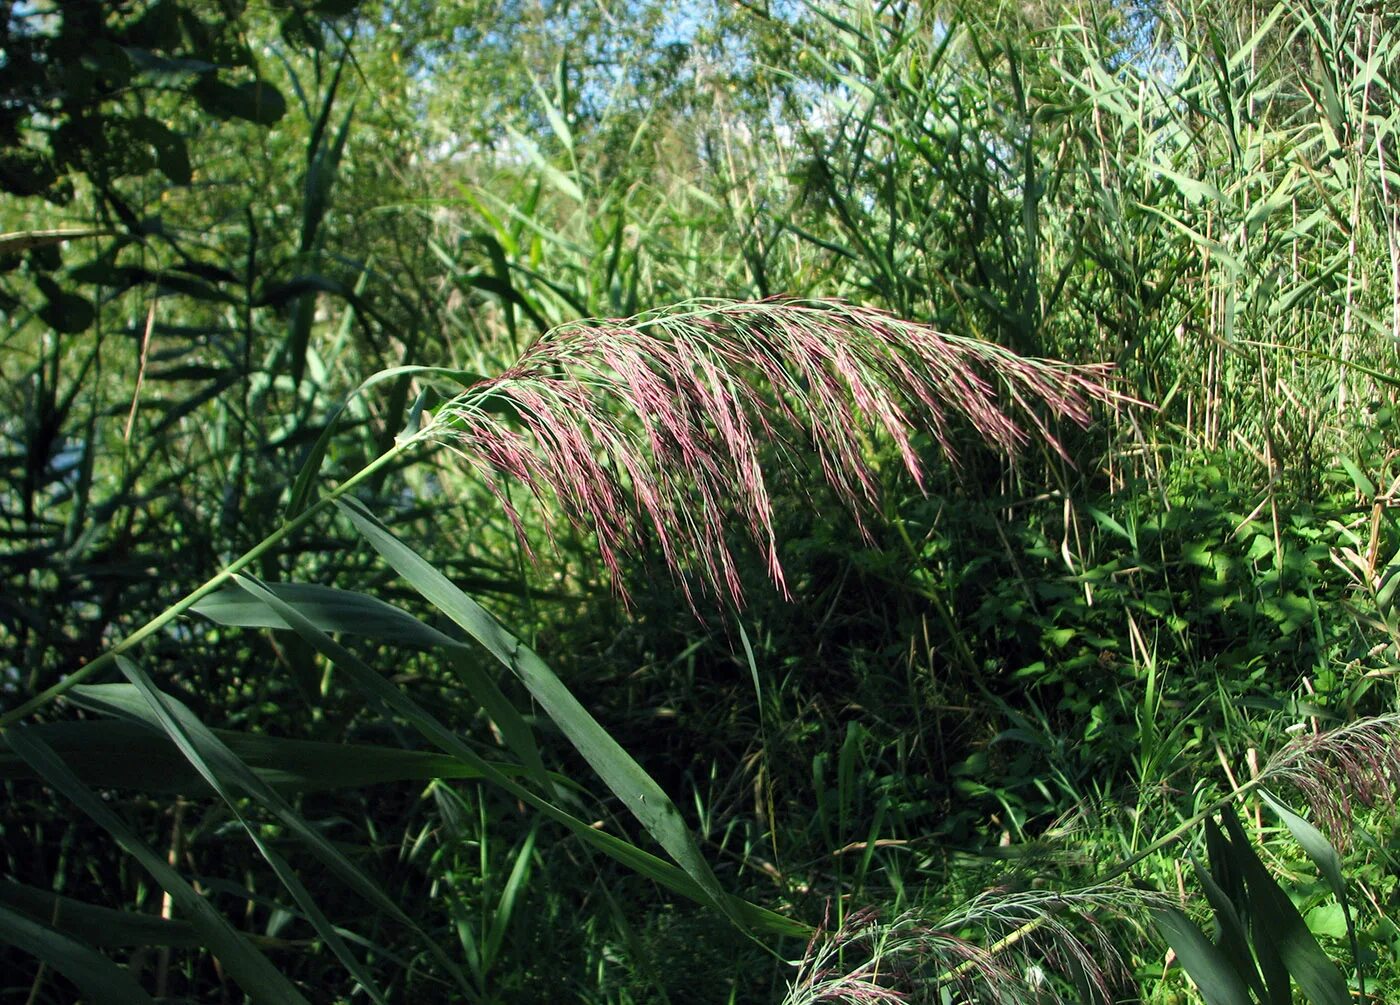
678 462
886 636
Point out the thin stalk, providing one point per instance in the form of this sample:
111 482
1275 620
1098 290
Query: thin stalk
172 612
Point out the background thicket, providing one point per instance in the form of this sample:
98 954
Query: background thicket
992 712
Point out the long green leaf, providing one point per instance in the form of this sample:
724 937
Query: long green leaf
374 685
1231 934
1217 979
94 926
224 772
248 967
1228 870
97 977
510 893
1275 921
129 755
1325 857
327 608
623 775
333 610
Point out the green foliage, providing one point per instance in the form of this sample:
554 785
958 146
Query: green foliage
1261 939
250 251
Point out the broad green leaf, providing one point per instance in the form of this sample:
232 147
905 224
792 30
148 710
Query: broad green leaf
1328 862
1109 523
519 737
1248 53
254 101
1228 871
1216 978
67 313
97 977
1318 848
1276 922
559 179
1328 920
240 959
753 666
623 775
1230 868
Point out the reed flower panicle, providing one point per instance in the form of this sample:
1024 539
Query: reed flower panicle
1000 946
656 426
1358 762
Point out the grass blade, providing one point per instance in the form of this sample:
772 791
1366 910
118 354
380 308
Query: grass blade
98 977
623 775
1329 863
243 962
332 610
94 926
131 755
1214 975
660 871
223 771
1275 921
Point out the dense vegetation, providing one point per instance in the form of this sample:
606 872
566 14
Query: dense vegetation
829 624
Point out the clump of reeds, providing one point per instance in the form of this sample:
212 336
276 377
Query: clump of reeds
656 427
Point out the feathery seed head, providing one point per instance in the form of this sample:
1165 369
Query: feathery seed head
654 427
996 947
1358 761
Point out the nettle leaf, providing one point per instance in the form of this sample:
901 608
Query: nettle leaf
68 314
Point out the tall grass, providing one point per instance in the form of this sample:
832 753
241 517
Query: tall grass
983 694
684 447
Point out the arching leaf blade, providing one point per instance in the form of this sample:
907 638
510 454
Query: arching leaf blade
619 771
243 962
